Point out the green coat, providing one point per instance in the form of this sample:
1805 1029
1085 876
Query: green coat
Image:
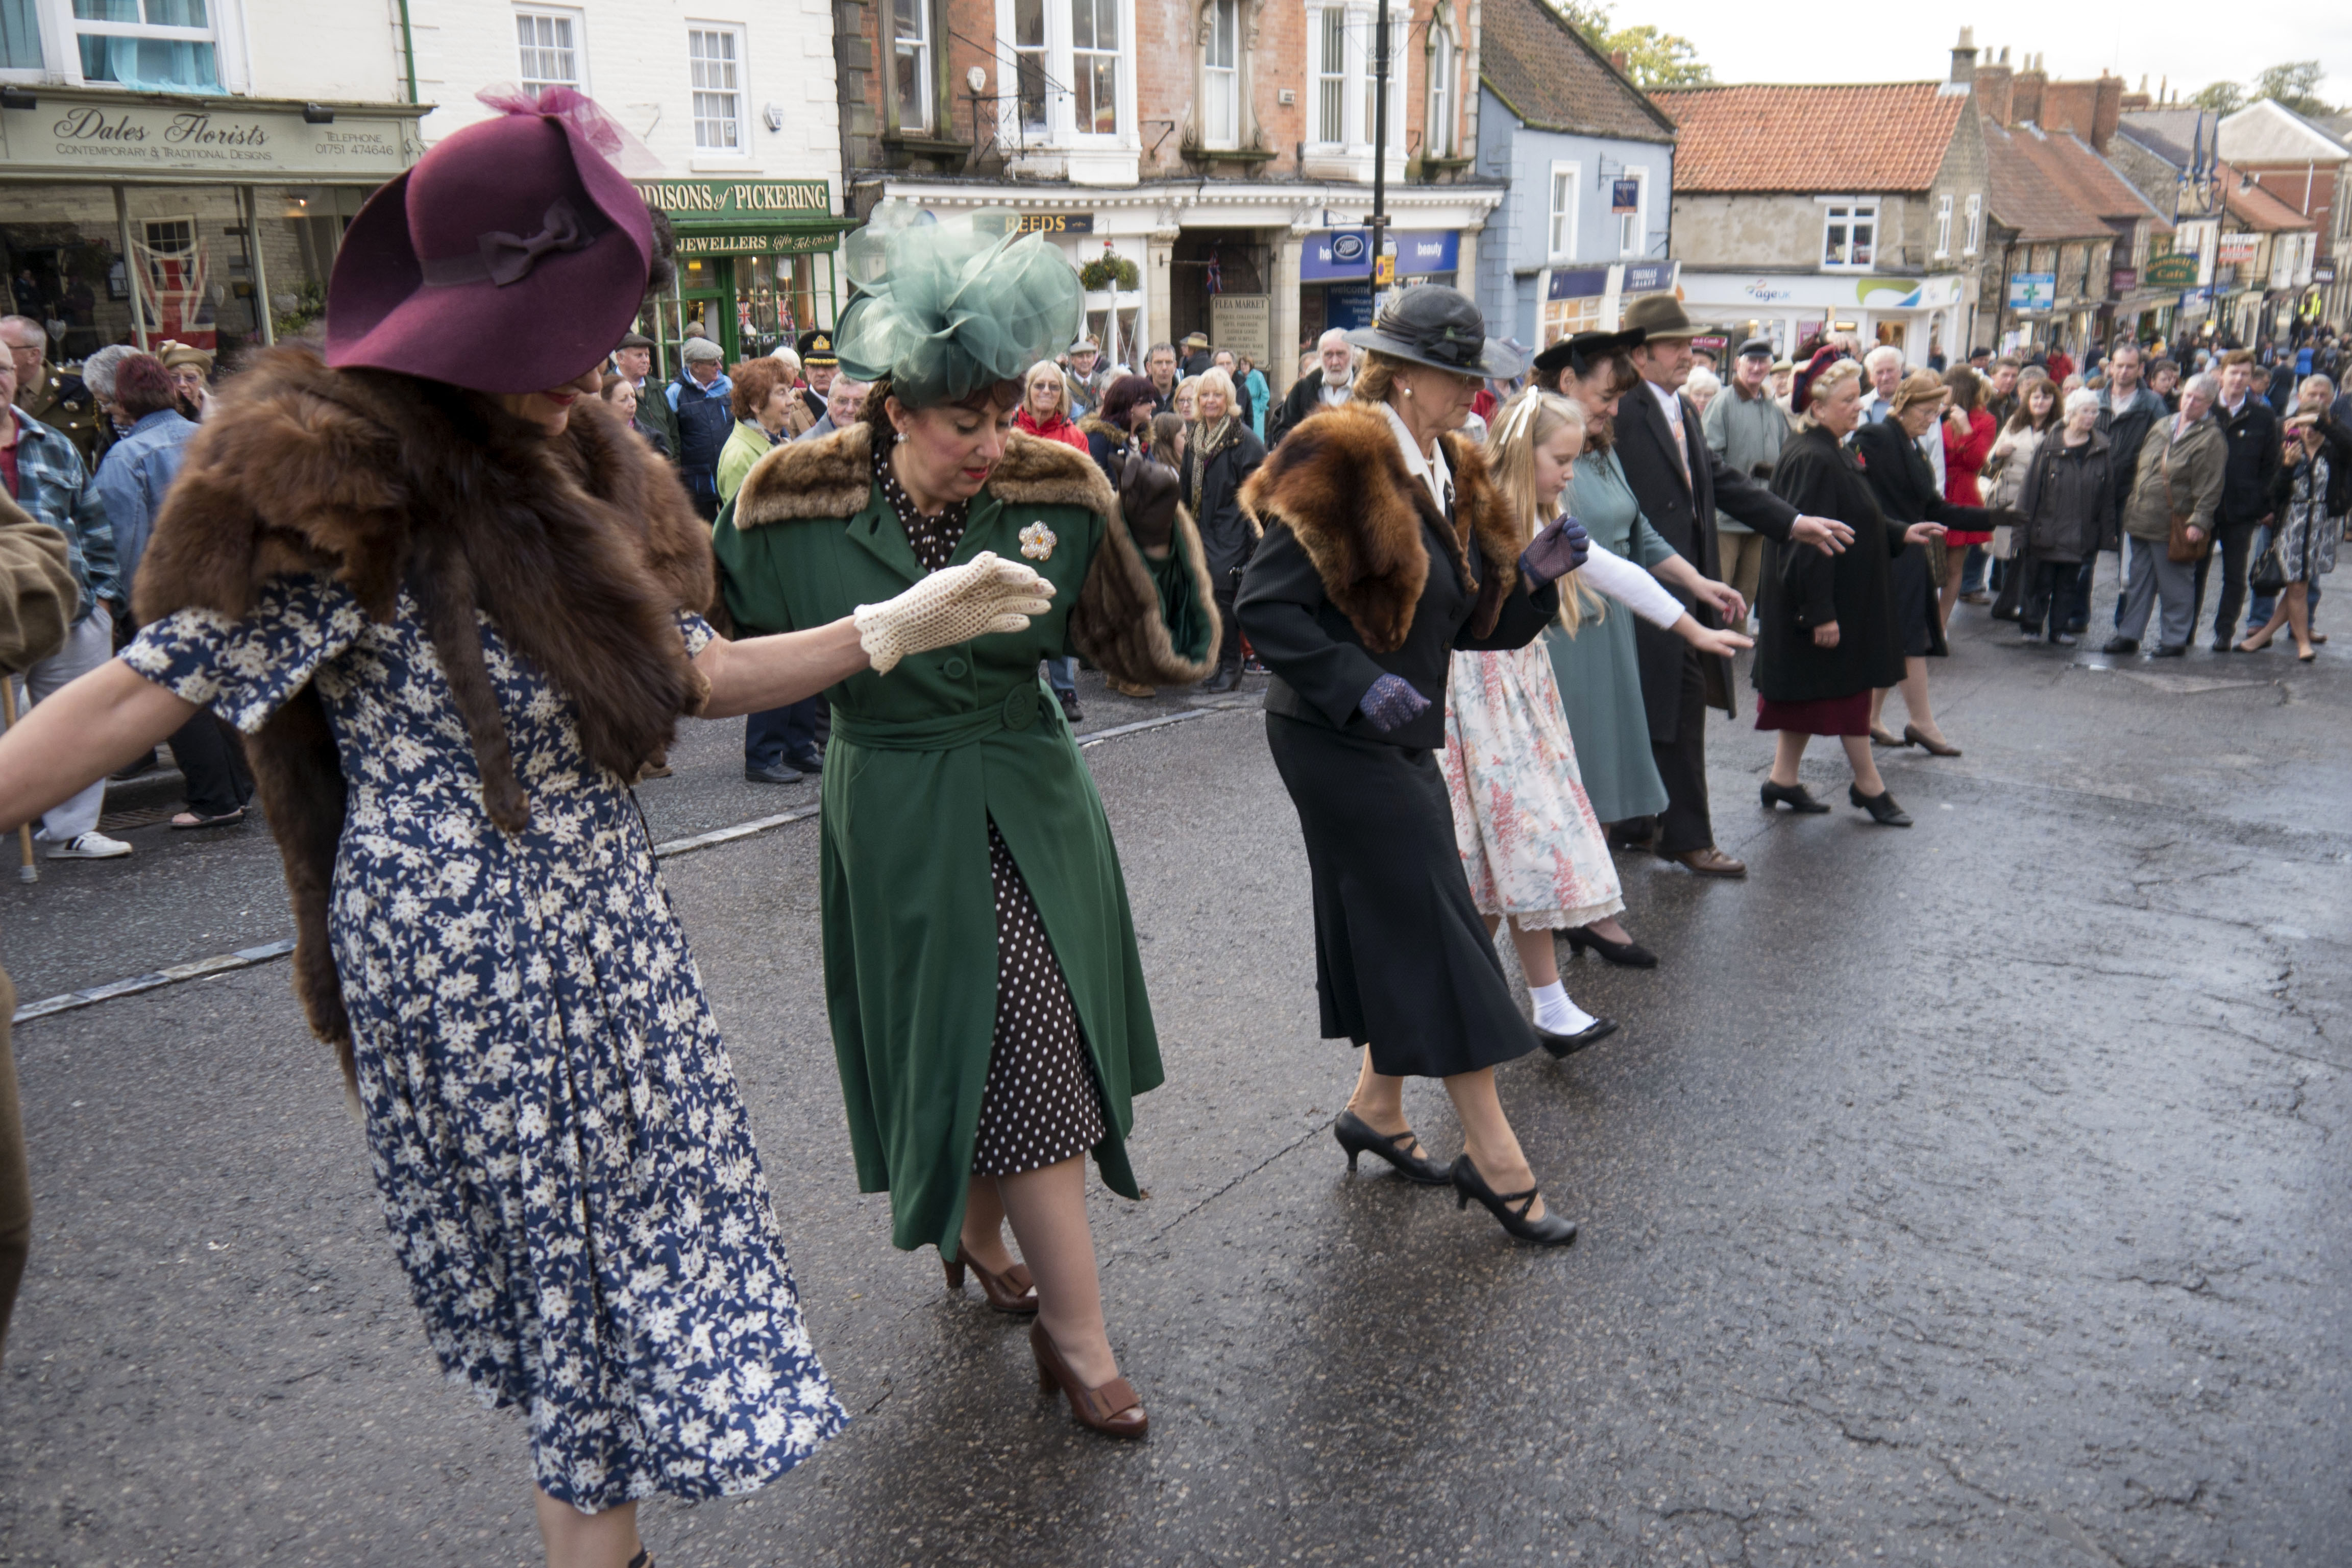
746 445
922 758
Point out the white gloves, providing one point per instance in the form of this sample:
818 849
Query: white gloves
953 605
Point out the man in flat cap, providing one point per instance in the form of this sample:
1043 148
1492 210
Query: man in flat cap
635 358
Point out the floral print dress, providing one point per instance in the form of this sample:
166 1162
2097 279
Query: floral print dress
566 1165
1531 844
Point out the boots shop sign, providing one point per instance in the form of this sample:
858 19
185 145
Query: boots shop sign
144 140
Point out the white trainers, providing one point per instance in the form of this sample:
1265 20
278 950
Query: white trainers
91 846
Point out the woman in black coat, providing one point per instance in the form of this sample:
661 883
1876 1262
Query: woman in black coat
1386 548
1112 430
2067 511
1905 486
1220 454
1829 634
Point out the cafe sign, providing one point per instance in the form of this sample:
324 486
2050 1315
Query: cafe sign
2176 271
219 139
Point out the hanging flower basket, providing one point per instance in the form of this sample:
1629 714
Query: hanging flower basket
1109 270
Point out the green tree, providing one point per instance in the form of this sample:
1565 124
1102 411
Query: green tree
2294 85
1652 59
2222 97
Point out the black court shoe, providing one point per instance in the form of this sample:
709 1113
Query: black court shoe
1625 954
1881 807
1795 797
1565 1046
1510 1210
1358 1136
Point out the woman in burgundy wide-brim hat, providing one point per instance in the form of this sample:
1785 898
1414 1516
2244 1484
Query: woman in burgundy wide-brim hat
455 602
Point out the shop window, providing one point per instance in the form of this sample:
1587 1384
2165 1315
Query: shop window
1850 234
550 51
145 45
1331 77
911 63
1094 65
1632 236
1437 138
1976 226
1562 317
1562 242
1221 118
1029 64
715 59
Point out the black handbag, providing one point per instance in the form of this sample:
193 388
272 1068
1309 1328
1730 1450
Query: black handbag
2269 575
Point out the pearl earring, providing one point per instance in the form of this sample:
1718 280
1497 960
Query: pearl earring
1408 392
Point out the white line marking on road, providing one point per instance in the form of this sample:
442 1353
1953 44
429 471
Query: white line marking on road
245 958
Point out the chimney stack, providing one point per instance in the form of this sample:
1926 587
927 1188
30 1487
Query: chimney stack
1617 58
1992 91
1964 57
2107 113
2025 93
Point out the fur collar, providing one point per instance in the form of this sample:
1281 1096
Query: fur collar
1340 485
582 551
832 476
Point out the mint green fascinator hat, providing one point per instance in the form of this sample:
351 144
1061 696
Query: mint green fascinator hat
949 307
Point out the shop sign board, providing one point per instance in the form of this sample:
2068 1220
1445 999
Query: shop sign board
1625 199
690 242
1244 323
1649 277
1426 253
2239 248
1578 283
2032 291
229 140
735 201
2173 272
1347 253
2123 279
2323 275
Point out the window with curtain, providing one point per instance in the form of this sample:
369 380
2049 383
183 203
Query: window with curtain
146 45
1944 225
1029 63
20 35
1220 121
549 42
1850 234
912 62
1976 224
1094 65
714 59
1439 138
1331 76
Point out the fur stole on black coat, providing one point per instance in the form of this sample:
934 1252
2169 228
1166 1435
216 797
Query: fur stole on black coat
582 550
1340 483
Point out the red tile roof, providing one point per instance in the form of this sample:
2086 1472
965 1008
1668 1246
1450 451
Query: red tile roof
1875 137
2026 198
2083 177
2254 206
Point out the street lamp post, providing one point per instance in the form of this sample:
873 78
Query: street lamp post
1379 219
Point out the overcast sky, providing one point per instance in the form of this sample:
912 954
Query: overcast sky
2192 43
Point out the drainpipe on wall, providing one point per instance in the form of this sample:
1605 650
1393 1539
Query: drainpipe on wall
408 49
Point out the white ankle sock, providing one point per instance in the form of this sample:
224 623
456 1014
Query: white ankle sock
1555 1012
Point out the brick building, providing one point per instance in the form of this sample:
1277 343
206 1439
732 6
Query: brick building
1222 149
2300 165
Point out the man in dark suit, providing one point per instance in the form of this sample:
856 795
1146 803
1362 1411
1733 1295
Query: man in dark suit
1681 483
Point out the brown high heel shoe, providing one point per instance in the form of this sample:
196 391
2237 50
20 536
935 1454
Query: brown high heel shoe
1012 1291
1114 1409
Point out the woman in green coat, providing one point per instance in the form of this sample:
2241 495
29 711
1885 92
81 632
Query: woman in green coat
988 1009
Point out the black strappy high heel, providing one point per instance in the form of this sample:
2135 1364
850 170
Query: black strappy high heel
1509 1209
1358 1136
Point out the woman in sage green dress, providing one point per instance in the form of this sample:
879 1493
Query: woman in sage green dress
1592 652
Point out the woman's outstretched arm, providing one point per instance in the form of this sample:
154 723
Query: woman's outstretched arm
83 733
760 673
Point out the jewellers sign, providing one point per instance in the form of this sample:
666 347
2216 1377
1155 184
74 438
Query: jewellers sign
186 140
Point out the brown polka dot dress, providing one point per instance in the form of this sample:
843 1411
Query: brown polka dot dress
1040 1105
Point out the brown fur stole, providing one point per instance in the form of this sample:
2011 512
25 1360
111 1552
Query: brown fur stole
1116 622
1339 484
581 550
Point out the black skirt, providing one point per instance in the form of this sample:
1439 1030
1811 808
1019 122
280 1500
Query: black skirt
1918 612
1403 961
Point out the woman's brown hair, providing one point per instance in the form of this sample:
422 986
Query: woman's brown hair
874 412
1968 388
755 381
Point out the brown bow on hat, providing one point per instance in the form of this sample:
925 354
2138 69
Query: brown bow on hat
1657 316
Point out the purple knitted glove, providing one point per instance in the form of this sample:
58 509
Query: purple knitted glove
1553 553
1391 703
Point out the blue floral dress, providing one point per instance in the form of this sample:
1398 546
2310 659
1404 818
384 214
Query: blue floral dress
566 1168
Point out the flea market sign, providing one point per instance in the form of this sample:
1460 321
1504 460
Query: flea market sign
737 201
228 139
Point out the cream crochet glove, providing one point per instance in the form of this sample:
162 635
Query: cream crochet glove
953 605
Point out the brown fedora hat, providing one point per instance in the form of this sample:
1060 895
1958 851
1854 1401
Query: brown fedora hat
510 259
1657 316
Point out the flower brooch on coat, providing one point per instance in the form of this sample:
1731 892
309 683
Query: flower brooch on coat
1038 542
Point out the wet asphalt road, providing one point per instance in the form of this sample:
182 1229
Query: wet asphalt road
1973 1195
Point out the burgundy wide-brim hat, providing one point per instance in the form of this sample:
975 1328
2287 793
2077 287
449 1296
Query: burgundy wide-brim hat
510 259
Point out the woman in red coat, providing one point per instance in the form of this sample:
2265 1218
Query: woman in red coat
1968 432
1045 406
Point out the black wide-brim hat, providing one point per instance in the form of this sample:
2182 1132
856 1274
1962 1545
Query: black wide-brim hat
1581 350
1439 327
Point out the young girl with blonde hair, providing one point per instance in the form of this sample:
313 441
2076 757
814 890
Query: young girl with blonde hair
1531 846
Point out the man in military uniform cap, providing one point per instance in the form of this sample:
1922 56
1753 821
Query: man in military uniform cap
819 361
50 395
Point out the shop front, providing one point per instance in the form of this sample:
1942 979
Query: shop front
141 218
1920 316
756 264
1593 298
1336 272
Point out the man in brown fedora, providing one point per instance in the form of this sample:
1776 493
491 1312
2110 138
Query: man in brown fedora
1680 484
